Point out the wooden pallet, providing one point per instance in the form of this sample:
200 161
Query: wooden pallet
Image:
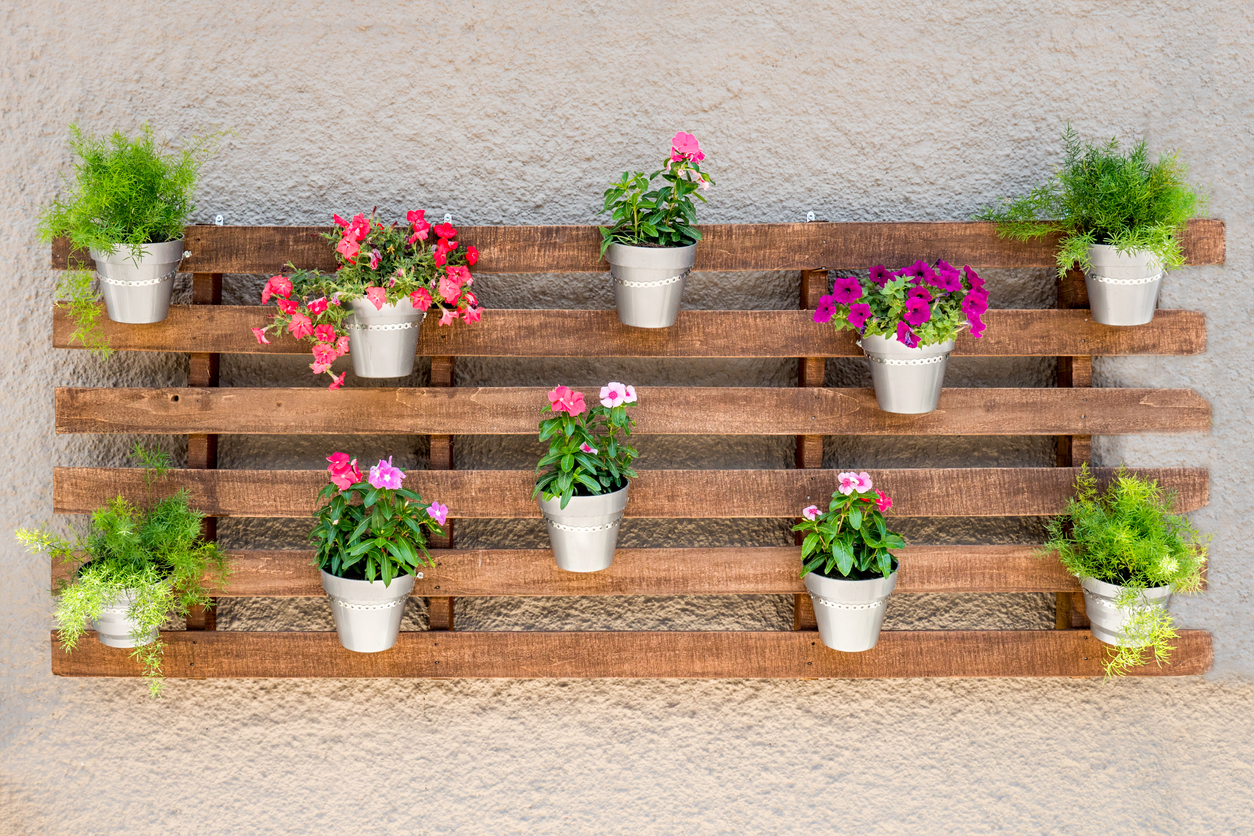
1071 413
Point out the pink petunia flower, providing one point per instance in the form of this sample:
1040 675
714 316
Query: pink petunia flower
341 346
318 306
340 222
440 258
449 289
300 326
826 309
472 315
260 334
973 278
444 231
613 394
324 333
288 306
358 229
325 354
437 512
421 298
846 291
811 513
276 286
472 256
377 296
337 382
375 257
859 313
448 317
415 216
882 502
920 292
349 249
880 275
384 475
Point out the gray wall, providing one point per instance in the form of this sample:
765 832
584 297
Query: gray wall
519 113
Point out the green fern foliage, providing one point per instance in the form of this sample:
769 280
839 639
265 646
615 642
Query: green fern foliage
1102 195
155 553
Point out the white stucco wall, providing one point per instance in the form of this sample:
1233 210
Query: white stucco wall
519 113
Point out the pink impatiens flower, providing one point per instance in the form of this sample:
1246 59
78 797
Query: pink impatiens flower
613 395
811 513
631 394
826 309
377 296
300 326
276 286
383 475
565 399
438 512
846 291
854 482
882 502
344 472
685 147
421 298
324 333
260 334
859 313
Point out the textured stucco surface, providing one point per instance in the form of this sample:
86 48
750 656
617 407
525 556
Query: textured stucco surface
519 113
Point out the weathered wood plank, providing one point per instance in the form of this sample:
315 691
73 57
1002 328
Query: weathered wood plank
663 571
659 494
633 655
583 333
576 249
444 411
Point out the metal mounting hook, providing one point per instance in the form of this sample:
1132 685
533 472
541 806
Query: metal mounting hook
448 218
217 220
810 216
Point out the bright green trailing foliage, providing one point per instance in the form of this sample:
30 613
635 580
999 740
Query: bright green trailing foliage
1127 536
157 552
125 193
1102 195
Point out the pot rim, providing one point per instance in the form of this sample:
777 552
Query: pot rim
613 502
149 251
1111 590
891 346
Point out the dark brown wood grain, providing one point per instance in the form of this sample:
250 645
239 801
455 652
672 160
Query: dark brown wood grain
202 449
548 333
441 608
634 655
1073 450
660 494
444 411
576 249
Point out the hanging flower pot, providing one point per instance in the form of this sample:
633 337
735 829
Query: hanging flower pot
649 282
367 613
847 564
382 342
906 380
584 533
1109 619
582 487
374 304
115 627
907 321
1123 287
371 541
138 291
651 243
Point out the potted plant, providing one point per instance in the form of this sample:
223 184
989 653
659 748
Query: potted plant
1131 554
373 305
582 483
371 537
847 563
651 241
127 205
139 566
907 322
1119 214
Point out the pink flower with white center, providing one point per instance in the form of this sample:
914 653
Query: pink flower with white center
421 299
288 306
384 475
588 448
260 334
377 296
438 512
811 513
324 354
613 394
300 327
449 289
864 482
630 397
848 483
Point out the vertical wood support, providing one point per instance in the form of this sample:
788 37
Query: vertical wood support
811 371
1073 450
202 450
440 610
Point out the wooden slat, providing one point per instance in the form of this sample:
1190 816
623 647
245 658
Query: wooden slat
660 494
442 412
634 655
663 571
583 333
576 249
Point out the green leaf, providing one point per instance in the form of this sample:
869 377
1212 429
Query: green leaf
844 556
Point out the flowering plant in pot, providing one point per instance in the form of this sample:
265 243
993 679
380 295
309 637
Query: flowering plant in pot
907 322
1120 215
371 536
1131 554
582 482
389 277
652 238
127 205
142 565
847 563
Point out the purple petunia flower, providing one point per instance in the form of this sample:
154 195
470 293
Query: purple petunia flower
972 278
975 304
846 291
917 312
920 272
880 275
907 337
859 313
919 292
977 326
826 309
948 279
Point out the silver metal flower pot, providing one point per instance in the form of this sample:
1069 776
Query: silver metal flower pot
649 282
583 534
849 613
115 628
382 342
367 613
907 380
1123 288
138 293
1107 620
